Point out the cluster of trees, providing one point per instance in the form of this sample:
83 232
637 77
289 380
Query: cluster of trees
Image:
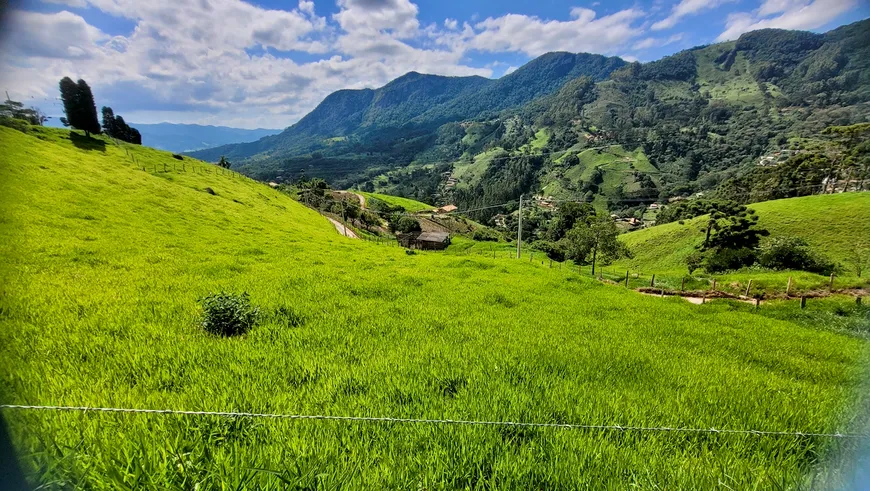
81 113
317 194
576 232
16 110
116 127
843 154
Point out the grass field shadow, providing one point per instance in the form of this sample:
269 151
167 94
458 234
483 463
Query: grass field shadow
86 142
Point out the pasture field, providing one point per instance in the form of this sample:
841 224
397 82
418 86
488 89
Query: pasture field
408 204
104 264
831 224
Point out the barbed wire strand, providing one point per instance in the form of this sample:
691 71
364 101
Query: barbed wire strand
376 419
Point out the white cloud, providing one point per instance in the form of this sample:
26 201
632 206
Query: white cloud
533 36
61 35
793 14
684 8
396 16
184 61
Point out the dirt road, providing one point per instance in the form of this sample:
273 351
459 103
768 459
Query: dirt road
361 198
342 229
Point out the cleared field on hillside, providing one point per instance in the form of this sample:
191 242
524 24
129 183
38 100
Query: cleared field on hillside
406 203
831 224
104 264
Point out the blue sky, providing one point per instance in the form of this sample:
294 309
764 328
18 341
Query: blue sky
266 63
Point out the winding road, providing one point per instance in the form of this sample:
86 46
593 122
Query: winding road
342 229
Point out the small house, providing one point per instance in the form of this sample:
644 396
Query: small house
447 209
430 241
500 220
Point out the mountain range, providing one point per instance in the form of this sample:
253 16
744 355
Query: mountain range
190 137
582 124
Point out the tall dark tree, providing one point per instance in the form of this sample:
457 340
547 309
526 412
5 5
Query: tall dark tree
223 162
90 122
109 121
79 106
69 95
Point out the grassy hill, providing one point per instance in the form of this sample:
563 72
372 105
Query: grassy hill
104 263
408 204
829 223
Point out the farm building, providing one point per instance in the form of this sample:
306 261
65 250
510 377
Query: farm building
447 209
432 241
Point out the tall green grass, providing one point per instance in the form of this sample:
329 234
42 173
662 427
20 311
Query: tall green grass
104 263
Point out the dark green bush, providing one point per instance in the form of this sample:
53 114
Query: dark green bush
404 224
553 250
724 259
15 124
485 234
792 253
227 314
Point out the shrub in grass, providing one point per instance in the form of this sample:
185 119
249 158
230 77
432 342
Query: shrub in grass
485 235
227 314
793 253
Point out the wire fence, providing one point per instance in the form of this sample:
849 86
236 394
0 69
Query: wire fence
182 165
459 422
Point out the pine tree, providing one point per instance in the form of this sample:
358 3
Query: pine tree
90 123
69 95
79 106
109 122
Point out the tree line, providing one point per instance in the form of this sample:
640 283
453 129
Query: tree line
80 112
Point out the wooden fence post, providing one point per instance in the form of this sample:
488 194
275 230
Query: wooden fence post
626 279
831 284
858 301
652 281
713 287
803 302
757 302
531 256
748 288
551 263
683 284
788 287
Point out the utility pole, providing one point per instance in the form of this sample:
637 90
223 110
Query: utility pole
520 230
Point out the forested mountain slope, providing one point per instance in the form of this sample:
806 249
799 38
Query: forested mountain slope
583 125
412 103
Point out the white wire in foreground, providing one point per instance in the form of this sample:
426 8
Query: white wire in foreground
373 419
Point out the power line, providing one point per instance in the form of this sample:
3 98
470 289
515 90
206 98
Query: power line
459 422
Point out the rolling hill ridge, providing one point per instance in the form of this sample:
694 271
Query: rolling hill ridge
699 117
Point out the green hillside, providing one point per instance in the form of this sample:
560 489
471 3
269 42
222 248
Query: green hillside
830 223
407 204
104 263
